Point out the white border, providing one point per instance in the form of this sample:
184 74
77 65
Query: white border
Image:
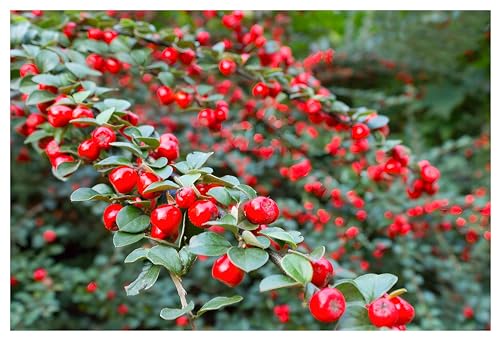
6 5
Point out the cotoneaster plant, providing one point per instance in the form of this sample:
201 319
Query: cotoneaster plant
170 202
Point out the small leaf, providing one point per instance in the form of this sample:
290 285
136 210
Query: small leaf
174 313
297 267
248 190
208 244
229 181
165 256
377 122
279 234
317 253
67 168
104 116
113 161
218 303
80 96
350 290
373 286
159 163
103 189
221 195
182 167
121 239
257 241
276 282
46 60
248 259
164 172
161 186
197 159
131 219
81 70
120 105
188 180
137 254
166 78
38 96
36 136
129 147
355 317
86 194
145 280
150 141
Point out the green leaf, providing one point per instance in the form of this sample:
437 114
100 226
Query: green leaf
67 168
208 244
257 241
39 96
131 219
165 256
317 253
47 79
36 136
218 303
297 267
221 195
373 286
164 172
355 317
145 130
248 259
197 159
248 190
145 280
129 147
204 89
276 282
103 189
90 121
227 221
150 141
81 71
188 180
87 194
104 116
350 290
137 254
159 163
279 234
46 60
121 239
120 105
229 181
174 313
161 186
80 96
113 161
377 122
166 78
187 258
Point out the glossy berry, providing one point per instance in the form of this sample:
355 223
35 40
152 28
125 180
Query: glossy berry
206 117
327 305
94 34
260 90
104 136
187 57
170 55
59 159
360 131
383 313
123 179
227 67
89 150
109 216
167 218
201 212
406 312
183 99
145 179
226 272
113 65
69 30
169 147
96 62
91 287
81 112
261 210
185 197
39 274
27 69
322 272
109 35
430 173
59 115
49 236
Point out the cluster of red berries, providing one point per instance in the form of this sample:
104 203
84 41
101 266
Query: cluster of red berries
392 312
427 182
213 118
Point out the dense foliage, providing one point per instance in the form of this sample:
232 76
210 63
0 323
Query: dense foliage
279 126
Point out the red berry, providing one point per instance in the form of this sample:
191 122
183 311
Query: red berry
131 117
382 313
169 147
95 61
109 35
392 166
327 305
123 179
39 274
185 197
351 232
430 173
260 90
201 212
468 312
203 37
91 287
104 136
322 272
226 272
81 112
33 120
145 179
69 29
187 57
113 65
261 210
274 88
167 218
59 115
360 131
165 95
406 312
94 34
183 99
28 69
170 55
227 67
49 236
206 117
122 309
157 233
89 150
182 321
109 216
59 159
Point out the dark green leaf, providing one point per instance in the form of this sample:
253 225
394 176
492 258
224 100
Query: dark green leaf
276 282
145 280
131 219
197 159
221 195
208 244
161 186
279 234
373 286
165 256
129 147
81 71
218 303
137 254
297 267
188 180
257 241
104 116
46 60
248 259
121 239
174 313
38 96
